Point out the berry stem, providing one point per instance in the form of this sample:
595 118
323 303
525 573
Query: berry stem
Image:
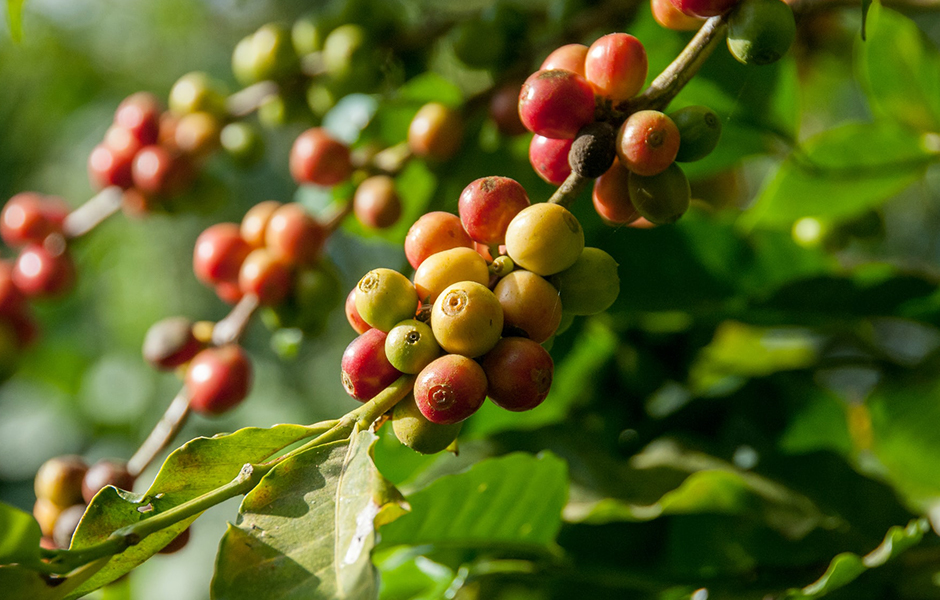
93 212
569 190
333 221
230 329
312 64
162 434
392 160
244 102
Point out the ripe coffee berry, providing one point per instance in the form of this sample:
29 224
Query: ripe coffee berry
266 276
376 203
44 271
104 473
556 104
549 158
218 379
432 233
450 389
545 239
365 369
699 131
219 253
593 151
467 319
414 430
110 166
170 343
590 285
616 66
158 171
140 114
59 480
410 346
531 305
611 196
255 222
487 205
671 17
519 372
385 297
29 218
569 57
703 8
761 31
504 110
293 236
447 268
647 142
352 315
662 198
317 158
435 132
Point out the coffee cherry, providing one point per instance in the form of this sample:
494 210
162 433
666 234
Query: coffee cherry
662 198
170 343
12 301
293 236
699 130
467 319
266 54
376 203
447 268
46 513
593 151
590 285
432 233
703 8
385 297
761 31
319 159
228 291
365 369
242 142
616 66
410 346
266 276
219 254
647 142
66 524
44 271
569 57
352 315
177 543
487 205
347 56
450 389
435 132
218 379
545 239
415 431
504 110
519 372
59 480
549 158
556 104
197 92
29 218
108 166
531 305
104 473
671 17
140 114
157 171
308 33
611 196
197 134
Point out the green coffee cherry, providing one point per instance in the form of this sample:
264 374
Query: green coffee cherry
266 54
415 431
385 298
662 198
308 34
590 285
243 142
699 131
197 92
410 346
761 31
347 57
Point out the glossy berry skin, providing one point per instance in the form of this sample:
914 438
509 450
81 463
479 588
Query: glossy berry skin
569 57
218 379
761 31
703 8
376 203
450 389
616 66
365 369
467 319
519 372
549 158
59 480
487 205
432 233
12 301
293 236
504 110
611 196
671 17
29 218
266 276
352 315
219 253
317 158
662 198
447 268
158 171
435 132
109 166
41 273
170 343
531 305
556 104
545 239
255 222
699 131
410 346
385 297
647 142
228 291
590 285
414 430
104 473
140 114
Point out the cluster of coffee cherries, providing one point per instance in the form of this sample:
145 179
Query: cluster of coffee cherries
490 287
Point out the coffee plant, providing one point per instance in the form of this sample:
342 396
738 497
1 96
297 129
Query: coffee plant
512 300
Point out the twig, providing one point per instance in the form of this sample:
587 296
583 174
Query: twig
333 221
93 212
233 325
568 190
163 433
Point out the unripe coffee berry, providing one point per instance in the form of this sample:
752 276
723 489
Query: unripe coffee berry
410 346
376 203
569 57
219 253
218 379
197 134
531 305
616 66
699 131
556 104
545 239
467 319
432 233
611 196
593 151
590 285
447 268
317 158
385 297
366 370
487 205
761 31
59 480
450 389
647 142
197 92
104 473
435 132
415 431
662 198
549 158
242 142
519 372
170 343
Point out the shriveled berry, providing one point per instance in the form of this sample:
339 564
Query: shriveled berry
44 271
266 276
365 369
317 158
647 142
59 480
662 198
385 297
611 196
590 285
432 233
467 319
487 205
293 236
447 268
410 346
519 372
170 343
699 131
219 253
352 314
545 239
531 305
549 158
104 473
415 431
593 151
218 379
761 31
556 103
435 132
376 203
616 66
569 57
450 389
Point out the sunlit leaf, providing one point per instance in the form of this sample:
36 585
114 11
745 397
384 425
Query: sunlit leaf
15 15
19 536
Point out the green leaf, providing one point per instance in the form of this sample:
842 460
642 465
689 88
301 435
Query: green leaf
837 175
197 467
15 15
410 576
19 583
307 530
900 70
847 567
21 534
512 502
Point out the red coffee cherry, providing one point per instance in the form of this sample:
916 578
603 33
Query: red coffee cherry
376 203
366 370
317 158
671 17
569 57
504 109
219 253
177 544
616 66
228 291
59 480
104 473
24 326
170 343
140 114
435 132
531 305
432 233
352 315
611 196
266 276
44 271
556 104
648 142
294 236
450 389
255 222
487 205
519 372
29 218
549 158
218 379
12 301
157 171
703 8
109 166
